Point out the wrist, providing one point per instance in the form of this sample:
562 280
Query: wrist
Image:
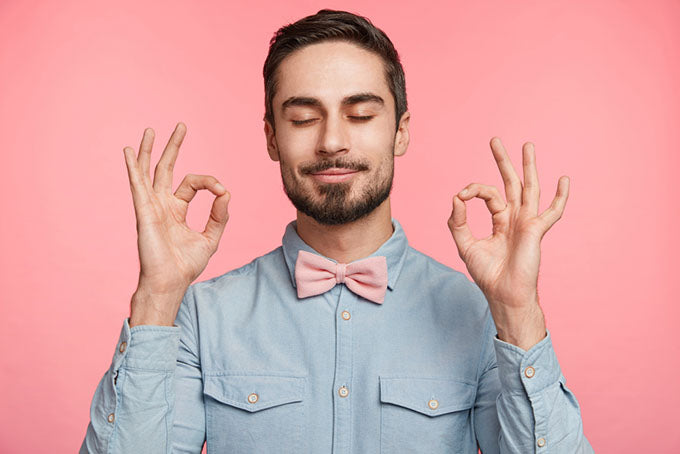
147 308
523 329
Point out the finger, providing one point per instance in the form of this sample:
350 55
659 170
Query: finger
490 195
513 185
191 184
218 218
554 212
139 193
531 191
462 235
162 180
145 153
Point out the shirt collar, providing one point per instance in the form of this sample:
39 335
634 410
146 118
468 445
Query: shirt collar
394 250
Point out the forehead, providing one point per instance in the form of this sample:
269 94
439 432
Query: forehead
330 71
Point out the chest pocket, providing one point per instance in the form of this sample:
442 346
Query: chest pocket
428 415
253 413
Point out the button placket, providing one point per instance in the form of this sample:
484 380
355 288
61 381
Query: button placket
343 370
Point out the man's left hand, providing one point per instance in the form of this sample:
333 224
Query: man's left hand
505 264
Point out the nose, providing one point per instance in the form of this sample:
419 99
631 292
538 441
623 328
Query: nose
333 137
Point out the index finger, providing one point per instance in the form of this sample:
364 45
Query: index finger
513 185
162 179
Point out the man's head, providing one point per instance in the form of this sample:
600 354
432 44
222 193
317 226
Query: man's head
334 87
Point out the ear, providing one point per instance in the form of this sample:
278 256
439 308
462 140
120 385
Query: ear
402 137
272 148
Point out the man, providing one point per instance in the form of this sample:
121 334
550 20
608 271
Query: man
345 339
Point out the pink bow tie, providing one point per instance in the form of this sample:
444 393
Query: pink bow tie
315 274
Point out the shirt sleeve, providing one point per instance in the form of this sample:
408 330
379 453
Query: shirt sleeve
523 404
150 399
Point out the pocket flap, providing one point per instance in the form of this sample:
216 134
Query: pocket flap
254 392
429 396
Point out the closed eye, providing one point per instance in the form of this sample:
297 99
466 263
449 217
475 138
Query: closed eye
302 122
353 117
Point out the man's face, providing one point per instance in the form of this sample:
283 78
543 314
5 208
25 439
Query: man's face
334 114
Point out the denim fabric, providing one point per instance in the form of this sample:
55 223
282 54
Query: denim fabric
251 368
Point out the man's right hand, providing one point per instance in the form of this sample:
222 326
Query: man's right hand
171 255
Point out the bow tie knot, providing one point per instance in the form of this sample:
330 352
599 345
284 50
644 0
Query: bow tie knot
340 270
315 274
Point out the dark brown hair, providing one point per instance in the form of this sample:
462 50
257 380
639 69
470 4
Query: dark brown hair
331 25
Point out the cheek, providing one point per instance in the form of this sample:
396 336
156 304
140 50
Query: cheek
295 147
375 136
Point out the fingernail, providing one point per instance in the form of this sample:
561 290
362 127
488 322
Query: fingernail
463 192
219 187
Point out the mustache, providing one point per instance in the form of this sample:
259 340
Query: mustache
339 163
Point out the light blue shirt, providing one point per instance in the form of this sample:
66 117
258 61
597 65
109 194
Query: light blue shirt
251 368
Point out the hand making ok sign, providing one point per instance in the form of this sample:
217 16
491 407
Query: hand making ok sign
505 264
171 255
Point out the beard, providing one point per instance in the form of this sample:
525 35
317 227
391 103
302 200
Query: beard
335 206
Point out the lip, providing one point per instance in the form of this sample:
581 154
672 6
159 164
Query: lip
334 175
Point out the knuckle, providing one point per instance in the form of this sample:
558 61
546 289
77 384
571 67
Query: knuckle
204 180
190 180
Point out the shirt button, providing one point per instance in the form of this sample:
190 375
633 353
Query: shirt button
252 398
111 418
540 442
529 372
123 346
345 315
433 404
343 391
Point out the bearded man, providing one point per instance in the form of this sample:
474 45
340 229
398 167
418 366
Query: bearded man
345 339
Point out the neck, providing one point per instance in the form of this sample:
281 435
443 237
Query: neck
348 242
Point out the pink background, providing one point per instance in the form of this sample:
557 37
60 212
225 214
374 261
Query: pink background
593 84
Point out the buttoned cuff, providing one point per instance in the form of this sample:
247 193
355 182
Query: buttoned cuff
146 347
532 370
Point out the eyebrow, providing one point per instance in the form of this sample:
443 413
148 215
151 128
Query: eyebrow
347 101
